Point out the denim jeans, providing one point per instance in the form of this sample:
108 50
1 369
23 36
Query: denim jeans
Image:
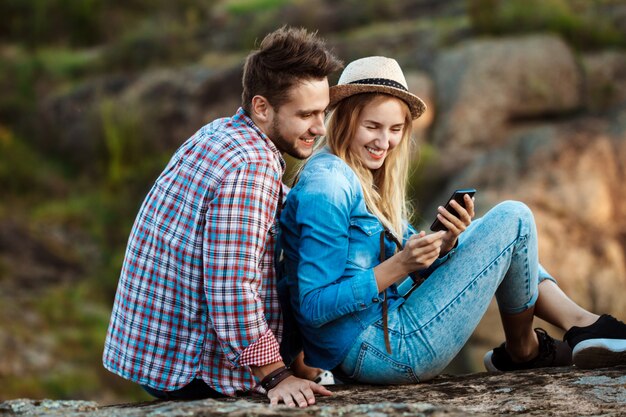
195 390
496 255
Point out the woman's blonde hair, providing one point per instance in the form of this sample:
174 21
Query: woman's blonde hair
385 188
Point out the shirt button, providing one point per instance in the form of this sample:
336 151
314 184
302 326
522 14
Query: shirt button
363 306
375 300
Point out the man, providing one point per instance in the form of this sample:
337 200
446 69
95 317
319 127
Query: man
196 312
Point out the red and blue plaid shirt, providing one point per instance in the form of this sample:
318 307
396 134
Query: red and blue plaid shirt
197 292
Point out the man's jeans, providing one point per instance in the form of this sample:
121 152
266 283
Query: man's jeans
497 254
195 390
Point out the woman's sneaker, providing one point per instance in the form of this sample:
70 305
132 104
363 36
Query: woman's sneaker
599 345
551 353
325 378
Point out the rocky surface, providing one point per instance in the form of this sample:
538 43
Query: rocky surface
555 392
34 259
176 103
571 175
604 82
483 84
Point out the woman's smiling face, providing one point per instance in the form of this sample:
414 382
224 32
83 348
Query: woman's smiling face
379 129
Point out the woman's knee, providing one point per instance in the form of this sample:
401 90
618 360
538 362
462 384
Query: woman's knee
514 211
510 219
513 208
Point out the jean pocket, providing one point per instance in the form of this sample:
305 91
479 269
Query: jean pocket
375 367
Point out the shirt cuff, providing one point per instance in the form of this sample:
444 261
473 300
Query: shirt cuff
425 273
264 351
365 289
456 245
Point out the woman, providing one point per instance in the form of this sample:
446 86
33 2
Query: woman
349 256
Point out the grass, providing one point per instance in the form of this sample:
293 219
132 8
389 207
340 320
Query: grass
121 130
405 26
386 29
67 64
579 22
72 324
130 159
24 171
26 75
237 8
153 42
81 210
215 60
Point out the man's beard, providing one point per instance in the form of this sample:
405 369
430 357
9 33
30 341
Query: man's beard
283 145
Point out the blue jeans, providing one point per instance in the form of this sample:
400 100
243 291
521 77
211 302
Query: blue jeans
197 389
496 255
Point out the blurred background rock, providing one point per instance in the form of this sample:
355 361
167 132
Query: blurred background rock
527 101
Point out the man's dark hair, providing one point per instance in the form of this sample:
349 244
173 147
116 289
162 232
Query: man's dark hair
285 57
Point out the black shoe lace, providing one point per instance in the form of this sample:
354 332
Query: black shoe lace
547 346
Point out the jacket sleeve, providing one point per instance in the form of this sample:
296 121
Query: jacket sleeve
323 218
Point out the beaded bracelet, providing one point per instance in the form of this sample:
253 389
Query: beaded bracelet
275 377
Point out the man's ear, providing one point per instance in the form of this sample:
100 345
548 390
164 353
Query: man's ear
261 109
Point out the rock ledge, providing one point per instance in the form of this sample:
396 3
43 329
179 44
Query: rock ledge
555 392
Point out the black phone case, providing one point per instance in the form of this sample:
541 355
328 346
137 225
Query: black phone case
458 197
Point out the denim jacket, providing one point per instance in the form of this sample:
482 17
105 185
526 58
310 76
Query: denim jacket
330 245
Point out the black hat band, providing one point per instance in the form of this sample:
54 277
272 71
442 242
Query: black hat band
381 81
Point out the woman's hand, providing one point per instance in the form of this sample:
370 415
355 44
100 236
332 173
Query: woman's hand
421 250
455 225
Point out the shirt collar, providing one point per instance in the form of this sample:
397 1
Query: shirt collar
243 117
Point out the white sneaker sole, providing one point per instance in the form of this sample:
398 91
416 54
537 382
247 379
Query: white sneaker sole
488 364
325 378
599 353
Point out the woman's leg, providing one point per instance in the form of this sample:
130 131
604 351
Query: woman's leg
521 341
302 370
497 252
596 341
555 307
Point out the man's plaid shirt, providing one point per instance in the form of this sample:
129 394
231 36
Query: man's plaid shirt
197 292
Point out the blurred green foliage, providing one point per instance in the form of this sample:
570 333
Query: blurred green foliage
420 185
24 172
244 7
89 22
120 129
76 318
578 21
62 64
39 21
151 43
18 72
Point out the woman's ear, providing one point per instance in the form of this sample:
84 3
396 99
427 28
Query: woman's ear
261 109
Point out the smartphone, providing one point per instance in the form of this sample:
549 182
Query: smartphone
458 197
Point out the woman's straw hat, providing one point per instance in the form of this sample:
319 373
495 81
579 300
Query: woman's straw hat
375 74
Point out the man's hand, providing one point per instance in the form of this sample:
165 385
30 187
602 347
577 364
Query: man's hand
295 391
